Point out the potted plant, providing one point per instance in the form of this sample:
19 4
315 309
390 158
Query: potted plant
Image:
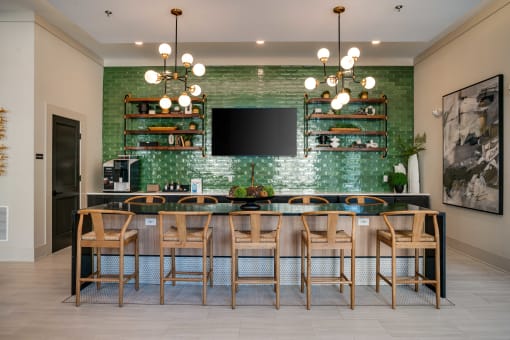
417 145
398 180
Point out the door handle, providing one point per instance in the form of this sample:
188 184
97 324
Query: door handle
55 192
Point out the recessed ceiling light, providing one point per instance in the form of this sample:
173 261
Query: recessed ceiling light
376 42
260 42
138 43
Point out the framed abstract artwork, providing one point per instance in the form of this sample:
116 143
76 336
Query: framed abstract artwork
473 146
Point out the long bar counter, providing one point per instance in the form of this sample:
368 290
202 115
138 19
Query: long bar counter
290 230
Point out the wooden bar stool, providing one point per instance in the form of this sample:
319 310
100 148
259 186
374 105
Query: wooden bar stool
200 199
308 200
185 230
145 199
413 237
330 235
99 238
255 230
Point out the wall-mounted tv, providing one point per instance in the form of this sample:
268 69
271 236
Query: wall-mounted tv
254 131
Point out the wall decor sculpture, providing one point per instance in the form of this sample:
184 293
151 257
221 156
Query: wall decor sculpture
473 146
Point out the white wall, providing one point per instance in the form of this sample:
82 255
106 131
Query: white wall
68 84
42 73
17 97
478 50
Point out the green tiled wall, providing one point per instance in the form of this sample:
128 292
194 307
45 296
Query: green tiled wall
277 86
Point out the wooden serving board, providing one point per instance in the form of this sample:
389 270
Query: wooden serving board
162 128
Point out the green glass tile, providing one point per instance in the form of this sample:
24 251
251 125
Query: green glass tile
279 86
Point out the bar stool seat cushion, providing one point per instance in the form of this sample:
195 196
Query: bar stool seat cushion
192 234
322 236
245 236
404 236
110 235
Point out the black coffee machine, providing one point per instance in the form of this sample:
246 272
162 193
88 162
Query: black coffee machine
121 175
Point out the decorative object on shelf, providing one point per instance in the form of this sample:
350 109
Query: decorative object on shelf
143 108
413 168
323 139
370 110
192 126
372 144
3 128
345 71
335 142
363 95
153 77
398 181
325 94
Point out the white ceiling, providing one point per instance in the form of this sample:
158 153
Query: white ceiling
224 31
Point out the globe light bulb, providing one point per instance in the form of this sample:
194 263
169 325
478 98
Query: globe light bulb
344 97
332 80
195 90
347 62
354 53
368 82
184 100
310 83
323 55
335 104
187 60
165 50
199 70
165 102
152 77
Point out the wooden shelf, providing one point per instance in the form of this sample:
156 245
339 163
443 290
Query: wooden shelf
161 115
164 148
352 101
344 116
372 124
328 148
360 133
128 99
173 132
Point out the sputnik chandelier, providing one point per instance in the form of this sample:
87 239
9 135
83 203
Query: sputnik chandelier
345 71
153 77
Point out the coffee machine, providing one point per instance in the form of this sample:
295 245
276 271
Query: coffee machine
121 175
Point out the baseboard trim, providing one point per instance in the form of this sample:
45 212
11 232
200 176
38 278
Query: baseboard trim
491 259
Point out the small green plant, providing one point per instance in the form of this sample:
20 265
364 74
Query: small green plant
397 178
269 189
240 192
417 145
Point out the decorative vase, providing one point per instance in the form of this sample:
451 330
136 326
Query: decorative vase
413 174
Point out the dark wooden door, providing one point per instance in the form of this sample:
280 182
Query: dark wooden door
66 179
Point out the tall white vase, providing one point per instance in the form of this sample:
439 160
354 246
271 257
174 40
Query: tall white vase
413 174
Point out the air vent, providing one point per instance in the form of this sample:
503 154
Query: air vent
3 223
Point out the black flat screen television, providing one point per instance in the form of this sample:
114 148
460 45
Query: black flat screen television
254 131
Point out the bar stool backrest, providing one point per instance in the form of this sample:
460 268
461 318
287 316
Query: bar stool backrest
146 199
364 200
308 200
200 199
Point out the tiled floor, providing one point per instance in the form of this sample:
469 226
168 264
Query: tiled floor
32 295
